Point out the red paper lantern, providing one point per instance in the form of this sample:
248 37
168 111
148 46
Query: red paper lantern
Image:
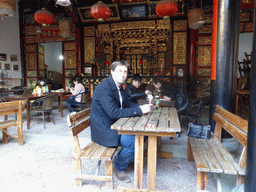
166 8
140 61
44 17
107 62
100 11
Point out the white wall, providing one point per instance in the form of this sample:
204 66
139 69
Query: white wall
52 51
10 41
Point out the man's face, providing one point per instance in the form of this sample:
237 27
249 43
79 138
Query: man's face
136 84
120 74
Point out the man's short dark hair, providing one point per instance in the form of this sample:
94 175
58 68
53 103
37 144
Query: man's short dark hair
137 77
116 63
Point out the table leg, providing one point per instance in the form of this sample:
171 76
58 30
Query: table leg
152 155
138 164
61 105
28 111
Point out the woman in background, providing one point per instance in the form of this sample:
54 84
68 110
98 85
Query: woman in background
40 87
76 90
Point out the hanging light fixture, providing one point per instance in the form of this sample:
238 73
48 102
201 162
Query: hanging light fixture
7 8
195 18
64 3
166 8
65 26
100 11
44 17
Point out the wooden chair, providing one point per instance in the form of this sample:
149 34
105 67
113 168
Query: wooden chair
85 96
92 151
8 108
42 108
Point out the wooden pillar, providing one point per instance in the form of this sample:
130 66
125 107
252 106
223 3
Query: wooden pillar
250 184
225 17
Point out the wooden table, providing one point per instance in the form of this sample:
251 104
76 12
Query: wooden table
162 103
161 122
28 98
62 96
245 93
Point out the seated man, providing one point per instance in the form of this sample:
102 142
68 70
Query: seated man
172 92
131 90
108 105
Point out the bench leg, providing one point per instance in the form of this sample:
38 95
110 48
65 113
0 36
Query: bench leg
77 169
190 154
201 180
109 172
5 136
240 179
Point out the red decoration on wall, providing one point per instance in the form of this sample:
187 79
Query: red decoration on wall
247 4
166 8
140 61
44 16
107 62
100 11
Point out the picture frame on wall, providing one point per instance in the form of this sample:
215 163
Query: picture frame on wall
7 66
13 57
15 67
3 57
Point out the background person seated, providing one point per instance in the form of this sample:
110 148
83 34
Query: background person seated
76 90
40 87
131 90
173 92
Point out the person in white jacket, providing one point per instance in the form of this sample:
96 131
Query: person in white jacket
76 90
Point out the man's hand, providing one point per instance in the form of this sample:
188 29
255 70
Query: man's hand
146 108
148 92
167 98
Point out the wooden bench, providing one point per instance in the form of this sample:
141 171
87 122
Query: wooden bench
8 108
211 156
93 151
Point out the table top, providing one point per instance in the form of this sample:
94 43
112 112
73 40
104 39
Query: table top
160 122
162 102
25 96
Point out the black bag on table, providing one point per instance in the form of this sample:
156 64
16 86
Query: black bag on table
199 131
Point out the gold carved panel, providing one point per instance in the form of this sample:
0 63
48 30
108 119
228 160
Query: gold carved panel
204 55
30 39
133 25
89 31
70 59
30 48
31 60
204 40
180 25
179 47
89 50
41 61
70 46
